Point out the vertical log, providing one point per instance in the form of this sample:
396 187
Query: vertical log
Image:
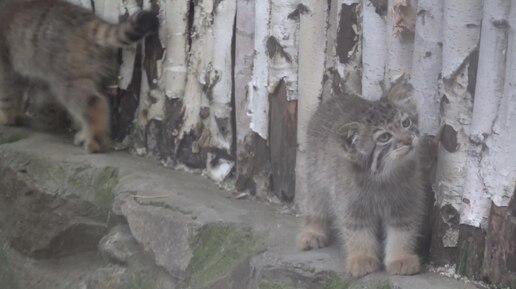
282 49
500 252
460 41
283 143
488 94
251 151
258 95
499 170
401 17
175 34
497 166
313 32
426 63
374 49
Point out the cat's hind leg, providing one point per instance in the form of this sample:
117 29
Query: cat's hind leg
90 110
314 205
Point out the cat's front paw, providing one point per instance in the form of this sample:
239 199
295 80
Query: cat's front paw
98 143
403 265
360 265
310 239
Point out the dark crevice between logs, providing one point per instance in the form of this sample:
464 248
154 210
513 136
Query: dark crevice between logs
125 103
346 36
283 144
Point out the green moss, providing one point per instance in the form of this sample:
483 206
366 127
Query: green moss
95 185
218 249
334 282
11 135
269 285
142 280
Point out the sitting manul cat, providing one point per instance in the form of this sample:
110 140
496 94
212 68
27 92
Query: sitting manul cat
67 50
364 180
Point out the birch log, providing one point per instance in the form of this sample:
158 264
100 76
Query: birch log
258 95
488 95
499 170
311 74
400 39
461 29
426 63
374 50
282 49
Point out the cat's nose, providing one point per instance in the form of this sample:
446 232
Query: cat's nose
407 139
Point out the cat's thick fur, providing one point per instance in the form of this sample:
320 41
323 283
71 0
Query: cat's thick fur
67 50
364 180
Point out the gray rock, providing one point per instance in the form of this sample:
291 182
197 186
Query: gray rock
164 233
118 245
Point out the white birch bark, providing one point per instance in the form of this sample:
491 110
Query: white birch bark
313 27
373 51
83 3
209 82
283 32
174 31
244 55
426 63
400 44
460 38
258 93
221 74
499 164
487 175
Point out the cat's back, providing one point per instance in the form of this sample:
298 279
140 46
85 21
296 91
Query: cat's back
45 37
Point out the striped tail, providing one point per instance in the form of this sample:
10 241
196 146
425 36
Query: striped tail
126 33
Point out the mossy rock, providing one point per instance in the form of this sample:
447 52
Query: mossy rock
92 184
9 135
217 249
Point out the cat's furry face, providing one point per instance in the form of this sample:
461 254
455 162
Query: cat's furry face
382 140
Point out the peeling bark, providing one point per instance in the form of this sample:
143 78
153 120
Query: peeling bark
282 47
400 45
244 56
498 168
488 94
258 92
455 108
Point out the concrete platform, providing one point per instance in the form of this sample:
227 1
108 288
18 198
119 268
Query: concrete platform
74 220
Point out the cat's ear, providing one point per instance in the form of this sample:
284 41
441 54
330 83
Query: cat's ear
400 94
348 135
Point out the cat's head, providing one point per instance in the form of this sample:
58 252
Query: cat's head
383 137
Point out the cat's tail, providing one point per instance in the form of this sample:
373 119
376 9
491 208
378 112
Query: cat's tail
126 33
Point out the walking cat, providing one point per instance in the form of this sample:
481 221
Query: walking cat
69 51
364 180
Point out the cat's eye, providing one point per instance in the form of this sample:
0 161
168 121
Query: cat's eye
384 137
406 123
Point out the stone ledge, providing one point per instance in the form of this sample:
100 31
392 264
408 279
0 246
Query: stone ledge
190 234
